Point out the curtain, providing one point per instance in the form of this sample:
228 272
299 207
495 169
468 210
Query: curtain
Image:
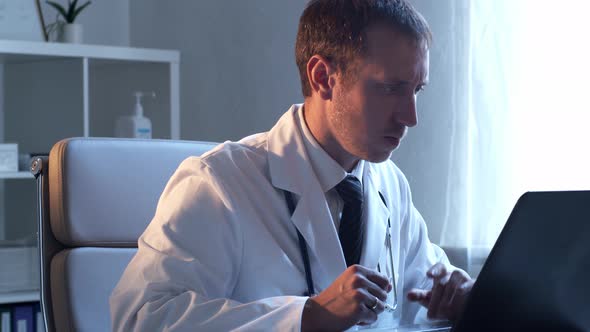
522 109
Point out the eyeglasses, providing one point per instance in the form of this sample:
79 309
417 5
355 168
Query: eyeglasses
389 268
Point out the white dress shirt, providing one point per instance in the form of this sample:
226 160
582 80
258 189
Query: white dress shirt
328 171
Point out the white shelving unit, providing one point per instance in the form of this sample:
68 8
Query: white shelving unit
24 52
16 175
50 91
19 297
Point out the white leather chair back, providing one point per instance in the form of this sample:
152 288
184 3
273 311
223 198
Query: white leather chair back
95 198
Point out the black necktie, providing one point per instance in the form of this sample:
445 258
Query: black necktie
351 225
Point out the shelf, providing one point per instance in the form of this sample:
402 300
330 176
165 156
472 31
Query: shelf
16 51
81 68
68 90
19 297
16 175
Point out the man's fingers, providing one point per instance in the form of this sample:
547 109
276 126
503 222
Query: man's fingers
437 293
462 286
449 290
445 307
377 278
437 271
369 317
370 307
377 306
448 304
421 296
377 291
361 279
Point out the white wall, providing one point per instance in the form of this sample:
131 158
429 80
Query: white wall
238 72
238 75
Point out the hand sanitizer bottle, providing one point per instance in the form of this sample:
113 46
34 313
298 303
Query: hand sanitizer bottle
137 125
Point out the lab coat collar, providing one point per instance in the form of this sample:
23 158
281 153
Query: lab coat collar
329 173
290 170
288 161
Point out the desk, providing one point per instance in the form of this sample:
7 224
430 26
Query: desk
443 326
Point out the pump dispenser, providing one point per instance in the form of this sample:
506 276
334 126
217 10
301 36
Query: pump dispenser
136 125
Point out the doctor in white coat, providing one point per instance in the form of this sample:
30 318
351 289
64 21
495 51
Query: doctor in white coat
222 251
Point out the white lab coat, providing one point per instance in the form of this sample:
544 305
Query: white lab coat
222 252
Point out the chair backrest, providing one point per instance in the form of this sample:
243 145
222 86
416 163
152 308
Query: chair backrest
95 198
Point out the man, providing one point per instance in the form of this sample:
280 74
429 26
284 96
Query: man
246 235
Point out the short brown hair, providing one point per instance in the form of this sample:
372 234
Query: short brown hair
335 30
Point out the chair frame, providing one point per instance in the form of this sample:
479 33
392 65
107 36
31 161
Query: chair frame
46 242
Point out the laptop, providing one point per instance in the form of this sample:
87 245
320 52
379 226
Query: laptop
537 276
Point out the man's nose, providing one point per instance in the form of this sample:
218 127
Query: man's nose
409 114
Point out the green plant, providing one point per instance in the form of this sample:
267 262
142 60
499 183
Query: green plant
72 10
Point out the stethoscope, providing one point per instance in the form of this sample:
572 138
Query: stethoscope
305 255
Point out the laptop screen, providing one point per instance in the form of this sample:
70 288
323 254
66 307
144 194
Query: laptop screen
537 277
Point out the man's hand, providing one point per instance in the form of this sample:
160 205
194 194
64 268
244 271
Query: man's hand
448 294
355 297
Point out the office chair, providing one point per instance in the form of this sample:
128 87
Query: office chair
95 198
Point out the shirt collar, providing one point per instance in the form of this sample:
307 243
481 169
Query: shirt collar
327 170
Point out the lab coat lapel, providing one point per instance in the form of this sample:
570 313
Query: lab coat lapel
290 170
377 215
313 220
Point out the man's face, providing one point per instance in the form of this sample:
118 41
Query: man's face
370 115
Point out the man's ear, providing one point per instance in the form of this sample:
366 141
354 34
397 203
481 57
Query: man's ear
320 75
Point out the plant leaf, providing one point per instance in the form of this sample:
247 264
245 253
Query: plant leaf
59 8
71 7
77 11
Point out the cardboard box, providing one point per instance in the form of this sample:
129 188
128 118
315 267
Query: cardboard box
8 157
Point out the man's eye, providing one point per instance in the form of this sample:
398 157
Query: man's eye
418 89
390 89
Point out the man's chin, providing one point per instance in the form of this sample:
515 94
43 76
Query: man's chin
379 157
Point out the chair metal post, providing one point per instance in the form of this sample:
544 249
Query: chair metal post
39 170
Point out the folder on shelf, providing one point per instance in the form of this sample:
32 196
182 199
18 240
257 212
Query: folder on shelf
5 318
22 318
39 322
